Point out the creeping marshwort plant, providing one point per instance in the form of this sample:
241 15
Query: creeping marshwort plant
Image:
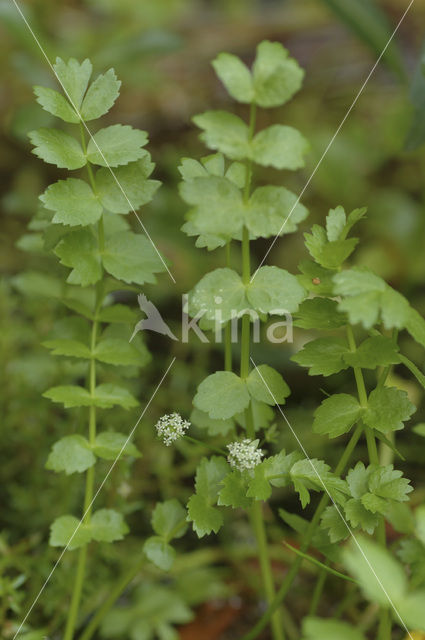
361 317
355 316
85 225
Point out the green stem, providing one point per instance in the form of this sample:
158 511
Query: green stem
222 452
89 490
256 510
228 327
293 571
82 557
317 593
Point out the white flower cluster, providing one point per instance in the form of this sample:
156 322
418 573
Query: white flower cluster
171 427
244 454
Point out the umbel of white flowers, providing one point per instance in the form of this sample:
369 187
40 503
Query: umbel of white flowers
244 455
171 427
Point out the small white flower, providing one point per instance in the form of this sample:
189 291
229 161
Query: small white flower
171 427
244 454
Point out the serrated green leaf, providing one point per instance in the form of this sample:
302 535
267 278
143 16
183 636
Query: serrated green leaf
69 395
168 519
329 254
116 145
74 78
73 202
367 299
218 296
276 76
108 525
79 307
373 352
275 291
69 348
131 257
225 132
100 96
120 352
205 518
106 396
387 482
388 408
335 525
57 147
79 251
359 515
316 279
279 146
66 531
319 313
318 629
381 577
273 471
335 223
336 415
219 208
273 211
233 492
109 444
235 76
266 385
357 480
222 395
55 103
201 511
315 474
159 552
70 454
117 313
131 189
324 356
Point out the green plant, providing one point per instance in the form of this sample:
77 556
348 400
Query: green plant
326 297
86 230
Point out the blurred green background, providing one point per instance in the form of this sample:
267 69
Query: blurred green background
161 50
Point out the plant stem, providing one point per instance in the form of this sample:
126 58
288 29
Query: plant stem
88 497
256 510
228 327
290 576
317 593
82 557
